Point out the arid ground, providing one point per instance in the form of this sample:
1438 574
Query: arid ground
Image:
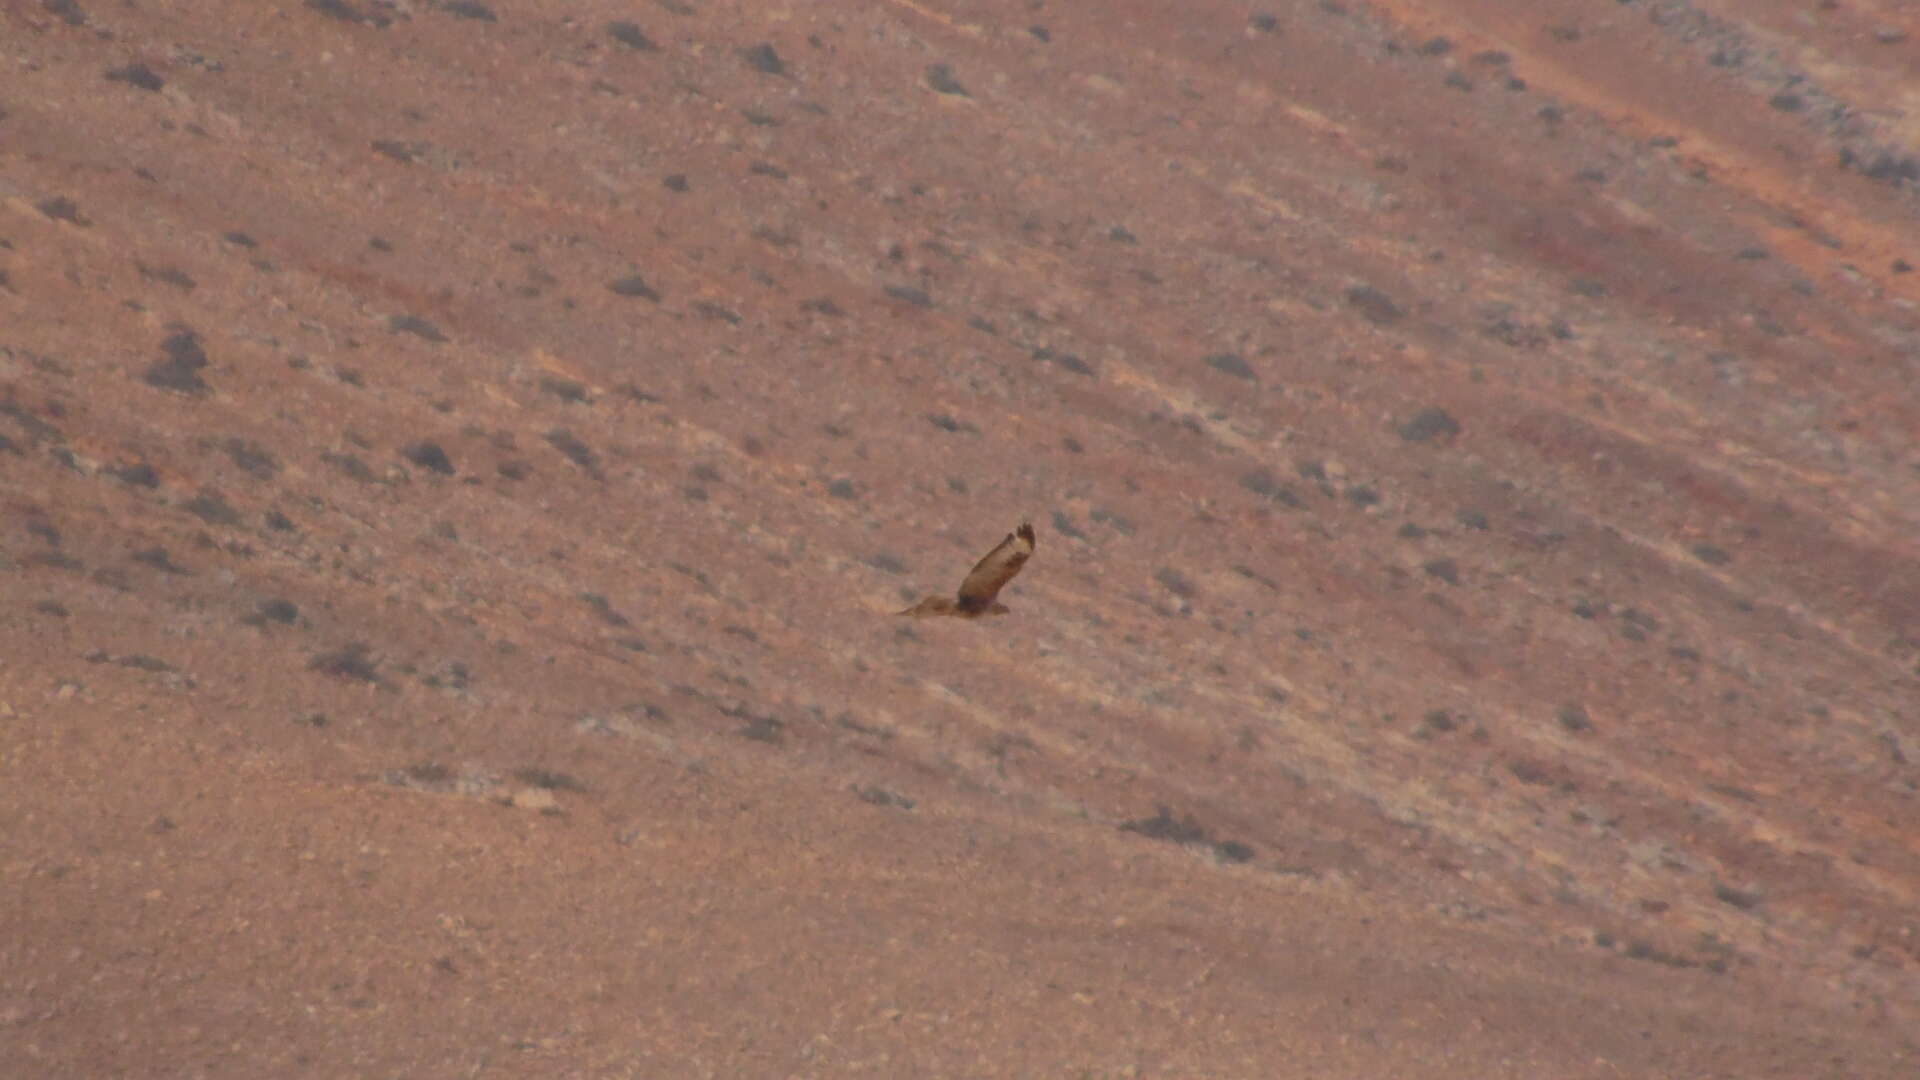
458 461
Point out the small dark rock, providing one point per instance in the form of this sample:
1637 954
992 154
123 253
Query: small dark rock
940 78
764 59
575 451
1066 360
430 456
565 389
1373 305
137 75
1230 364
212 507
1233 851
1174 582
180 371
634 285
1711 555
61 208
67 11
628 34
1064 525
139 474
280 611
548 779
346 12
764 729
717 312
604 610
1429 424
1264 483
252 457
885 563
425 773
1164 826
351 661
912 295
417 326
406 153
467 9
1528 772
352 466
157 558
881 797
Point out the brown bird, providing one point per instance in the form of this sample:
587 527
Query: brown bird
976 597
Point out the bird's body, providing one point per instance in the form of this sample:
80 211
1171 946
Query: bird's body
978 593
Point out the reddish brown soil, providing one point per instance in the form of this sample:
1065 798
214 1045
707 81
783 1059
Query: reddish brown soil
456 459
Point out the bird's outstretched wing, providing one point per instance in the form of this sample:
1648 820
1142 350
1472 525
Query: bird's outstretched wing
986 579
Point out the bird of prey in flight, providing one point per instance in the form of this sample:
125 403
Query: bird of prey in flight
984 582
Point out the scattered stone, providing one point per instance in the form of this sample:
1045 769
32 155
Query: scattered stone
429 456
634 284
1373 305
139 76
630 35
1429 424
351 661
881 797
1711 555
252 457
940 78
467 9
573 449
764 59
417 326
180 371
1174 582
1230 364
61 208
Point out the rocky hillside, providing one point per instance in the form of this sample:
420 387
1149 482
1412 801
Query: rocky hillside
458 461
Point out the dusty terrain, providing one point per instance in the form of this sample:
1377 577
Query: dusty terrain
456 460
